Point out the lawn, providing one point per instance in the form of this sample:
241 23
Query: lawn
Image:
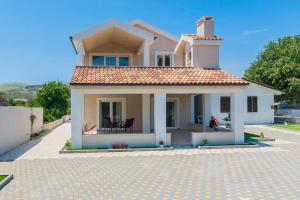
295 127
2 177
250 136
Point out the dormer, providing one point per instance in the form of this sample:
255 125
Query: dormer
200 49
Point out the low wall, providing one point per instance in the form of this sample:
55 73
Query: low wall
288 112
15 125
56 123
281 119
214 138
132 139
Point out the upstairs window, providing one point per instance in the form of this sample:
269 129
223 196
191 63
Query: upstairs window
188 58
163 59
109 60
252 103
98 60
224 104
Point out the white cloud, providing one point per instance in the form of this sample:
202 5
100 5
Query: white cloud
247 33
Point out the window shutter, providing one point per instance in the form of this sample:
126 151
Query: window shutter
224 104
249 104
254 104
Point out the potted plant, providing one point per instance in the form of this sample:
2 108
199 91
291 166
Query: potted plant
262 136
205 142
161 143
227 120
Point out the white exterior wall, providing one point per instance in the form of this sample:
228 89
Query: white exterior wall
215 138
132 139
265 99
15 125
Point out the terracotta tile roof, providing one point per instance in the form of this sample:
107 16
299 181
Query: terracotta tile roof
88 75
199 37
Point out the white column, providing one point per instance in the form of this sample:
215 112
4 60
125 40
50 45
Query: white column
146 54
146 113
77 104
160 117
238 111
206 110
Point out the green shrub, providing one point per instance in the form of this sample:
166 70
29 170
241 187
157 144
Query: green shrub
54 97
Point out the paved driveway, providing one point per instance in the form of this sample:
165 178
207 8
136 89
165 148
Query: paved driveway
43 147
264 173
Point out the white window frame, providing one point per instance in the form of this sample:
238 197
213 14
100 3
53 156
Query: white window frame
110 100
117 55
163 53
176 100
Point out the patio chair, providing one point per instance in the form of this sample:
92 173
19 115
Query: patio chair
107 123
128 124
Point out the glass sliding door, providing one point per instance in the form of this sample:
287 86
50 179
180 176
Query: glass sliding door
117 113
111 111
105 114
171 113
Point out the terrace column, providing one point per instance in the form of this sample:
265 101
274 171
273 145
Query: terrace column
146 54
77 104
146 113
160 117
238 111
206 110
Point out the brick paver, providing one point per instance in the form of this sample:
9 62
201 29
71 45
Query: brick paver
263 173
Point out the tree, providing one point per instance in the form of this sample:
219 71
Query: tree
278 65
54 97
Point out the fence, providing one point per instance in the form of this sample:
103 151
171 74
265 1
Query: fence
56 123
15 125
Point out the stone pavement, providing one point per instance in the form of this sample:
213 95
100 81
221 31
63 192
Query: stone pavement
43 147
263 173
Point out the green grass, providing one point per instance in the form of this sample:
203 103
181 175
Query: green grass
250 136
295 127
69 147
2 177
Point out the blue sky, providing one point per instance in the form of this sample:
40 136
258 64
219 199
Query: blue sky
34 35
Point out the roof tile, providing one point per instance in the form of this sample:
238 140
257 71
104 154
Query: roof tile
91 75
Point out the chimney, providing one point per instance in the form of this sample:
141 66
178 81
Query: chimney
205 26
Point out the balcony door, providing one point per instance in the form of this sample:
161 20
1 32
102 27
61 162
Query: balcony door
112 109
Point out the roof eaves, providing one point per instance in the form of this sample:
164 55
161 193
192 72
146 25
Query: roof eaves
264 85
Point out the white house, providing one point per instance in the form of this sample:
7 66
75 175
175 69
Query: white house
138 85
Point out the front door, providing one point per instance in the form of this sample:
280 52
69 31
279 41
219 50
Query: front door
171 113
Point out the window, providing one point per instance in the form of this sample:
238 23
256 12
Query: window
225 104
188 58
110 60
111 110
123 61
98 60
252 103
163 59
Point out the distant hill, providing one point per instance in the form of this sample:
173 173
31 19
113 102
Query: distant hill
17 90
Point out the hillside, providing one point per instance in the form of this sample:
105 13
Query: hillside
17 90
